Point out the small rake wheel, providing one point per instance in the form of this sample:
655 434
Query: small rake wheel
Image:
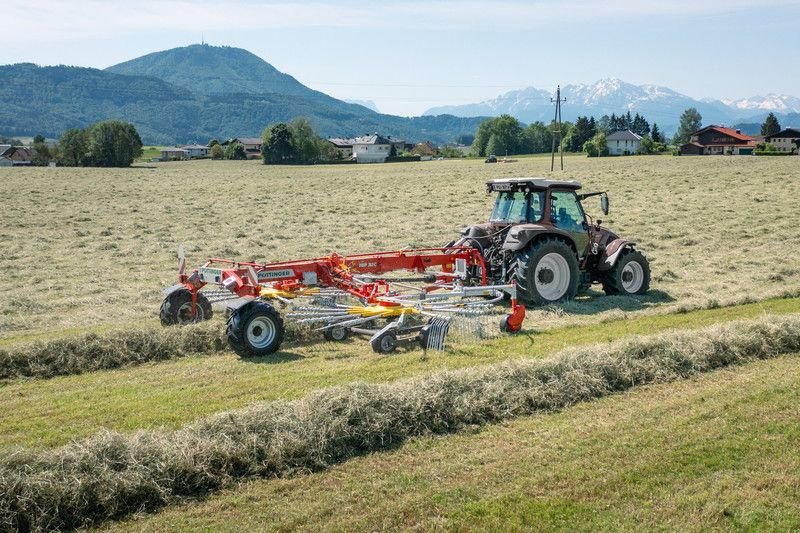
336 334
385 343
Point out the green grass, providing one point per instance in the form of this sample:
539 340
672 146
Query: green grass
149 152
714 452
47 413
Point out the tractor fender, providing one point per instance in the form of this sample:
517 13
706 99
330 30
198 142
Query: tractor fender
523 234
611 254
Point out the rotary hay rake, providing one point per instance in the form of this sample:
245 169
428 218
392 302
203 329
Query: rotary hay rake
342 296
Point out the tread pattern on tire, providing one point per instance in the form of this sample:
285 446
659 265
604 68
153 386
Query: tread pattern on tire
168 313
521 270
236 329
612 280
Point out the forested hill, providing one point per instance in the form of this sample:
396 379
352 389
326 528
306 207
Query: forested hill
206 69
50 100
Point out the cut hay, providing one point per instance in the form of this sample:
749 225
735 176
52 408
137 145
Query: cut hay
112 349
113 474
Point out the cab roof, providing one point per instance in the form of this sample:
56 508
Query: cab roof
516 184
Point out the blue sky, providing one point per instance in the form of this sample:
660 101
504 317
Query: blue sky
408 56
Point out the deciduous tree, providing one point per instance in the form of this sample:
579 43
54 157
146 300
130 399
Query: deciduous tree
72 148
112 143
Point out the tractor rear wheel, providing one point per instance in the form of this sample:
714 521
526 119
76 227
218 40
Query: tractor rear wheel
546 273
176 309
255 330
630 275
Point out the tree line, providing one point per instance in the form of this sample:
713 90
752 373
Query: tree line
505 135
111 143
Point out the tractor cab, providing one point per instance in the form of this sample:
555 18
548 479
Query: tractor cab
546 204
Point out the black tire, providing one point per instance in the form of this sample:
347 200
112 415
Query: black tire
255 330
630 275
524 272
176 309
336 334
386 343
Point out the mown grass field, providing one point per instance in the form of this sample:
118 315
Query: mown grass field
89 250
84 247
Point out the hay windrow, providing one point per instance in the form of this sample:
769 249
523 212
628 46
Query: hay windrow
112 475
111 349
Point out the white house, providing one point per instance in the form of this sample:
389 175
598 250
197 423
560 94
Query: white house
786 140
623 143
196 150
371 148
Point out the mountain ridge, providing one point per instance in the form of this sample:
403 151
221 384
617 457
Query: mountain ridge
657 103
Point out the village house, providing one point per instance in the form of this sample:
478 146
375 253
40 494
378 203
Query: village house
174 154
718 140
252 145
786 140
623 143
196 150
371 148
400 145
344 146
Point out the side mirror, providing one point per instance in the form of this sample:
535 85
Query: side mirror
604 203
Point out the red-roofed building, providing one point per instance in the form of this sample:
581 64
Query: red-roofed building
719 140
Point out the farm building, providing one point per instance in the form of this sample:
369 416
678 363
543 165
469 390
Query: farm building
718 140
14 155
174 154
196 150
786 140
371 148
623 143
344 146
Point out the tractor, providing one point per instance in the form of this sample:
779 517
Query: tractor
540 237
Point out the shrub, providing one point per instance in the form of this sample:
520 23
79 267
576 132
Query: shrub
113 474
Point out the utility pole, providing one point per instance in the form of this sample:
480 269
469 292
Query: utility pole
557 121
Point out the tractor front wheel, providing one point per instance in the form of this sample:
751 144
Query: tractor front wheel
546 273
176 309
630 275
255 330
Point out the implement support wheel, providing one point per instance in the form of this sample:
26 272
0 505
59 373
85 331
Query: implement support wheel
255 329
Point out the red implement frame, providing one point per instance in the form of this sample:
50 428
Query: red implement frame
333 271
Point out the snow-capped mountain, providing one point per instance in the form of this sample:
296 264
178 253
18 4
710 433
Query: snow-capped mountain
770 102
658 104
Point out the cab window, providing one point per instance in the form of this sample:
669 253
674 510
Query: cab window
515 207
567 213
536 208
